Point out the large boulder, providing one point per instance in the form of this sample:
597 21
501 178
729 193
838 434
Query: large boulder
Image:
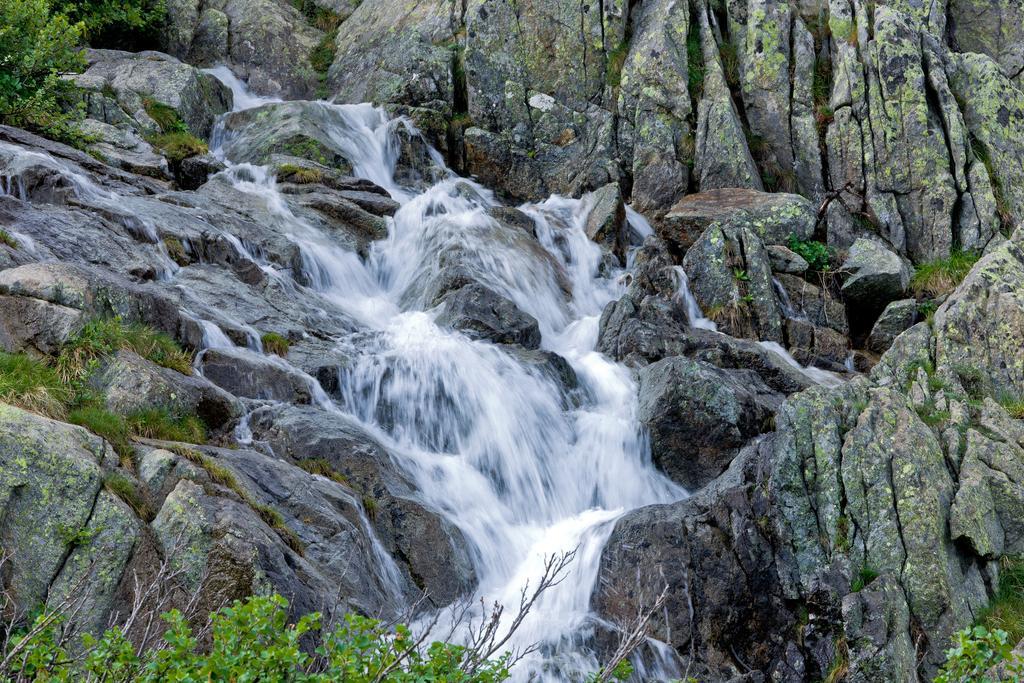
875 275
131 384
432 552
247 374
772 217
897 317
266 42
135 81
481 313
699 416
52 497
731 279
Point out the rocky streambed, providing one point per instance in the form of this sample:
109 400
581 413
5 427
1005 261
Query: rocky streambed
420 384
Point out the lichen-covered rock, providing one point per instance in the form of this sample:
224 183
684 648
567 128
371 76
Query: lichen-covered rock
876 275
137 78
30 324
124 148
606 222
897 317
785 260
51 479
266 42
772 217
699 416
731 279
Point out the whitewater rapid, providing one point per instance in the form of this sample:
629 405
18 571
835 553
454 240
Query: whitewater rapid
524 469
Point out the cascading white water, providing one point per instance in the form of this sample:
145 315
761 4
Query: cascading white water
491 441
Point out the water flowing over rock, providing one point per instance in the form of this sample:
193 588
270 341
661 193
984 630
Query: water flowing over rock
606 277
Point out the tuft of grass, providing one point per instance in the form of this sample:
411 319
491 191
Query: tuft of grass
275 521
165 116
1015 408
159 423
178 146
1006 610
297 174
176 251
864 577
32 385
275 343
112 427
125 489
943 275
104 336
840 664
324 469
7 239
614 62
370 507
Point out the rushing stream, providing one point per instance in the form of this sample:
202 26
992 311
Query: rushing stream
494 444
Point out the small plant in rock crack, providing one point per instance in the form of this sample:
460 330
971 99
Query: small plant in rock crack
817 254
741 275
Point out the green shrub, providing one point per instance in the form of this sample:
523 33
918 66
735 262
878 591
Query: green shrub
943 275
864 577
817 254
102 337
32 385
977 650
275 343
694 62
36 47
250 640
8 239
122 24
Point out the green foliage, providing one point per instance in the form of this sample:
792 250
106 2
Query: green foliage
8 239
299 175
975 652
32 385
253 640
322 55
864 577
176 251
615 61
160 423
622 671
178 146
102 337
36 47
112 427
323 468
125 489
370 506
175 140
121 24
275 343
1006 611
817 254
943 275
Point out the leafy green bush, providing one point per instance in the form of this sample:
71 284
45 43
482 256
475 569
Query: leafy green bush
817 254
36 47
942 276
122 24
977 650
32 385
250 640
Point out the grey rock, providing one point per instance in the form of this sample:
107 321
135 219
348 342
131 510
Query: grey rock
247 374
606 222
784 260
897 317
483 314
876 275
699 416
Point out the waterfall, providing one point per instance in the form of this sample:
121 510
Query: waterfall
491 442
